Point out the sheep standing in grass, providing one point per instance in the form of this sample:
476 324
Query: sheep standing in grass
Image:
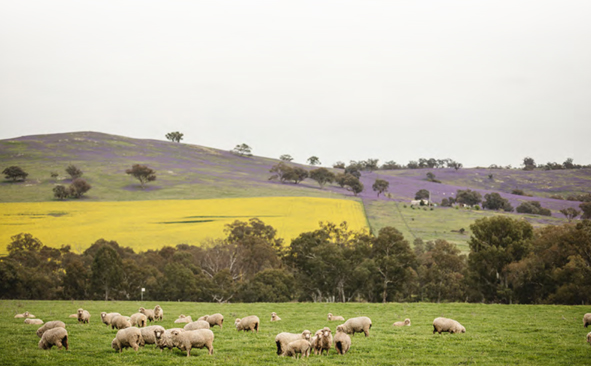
586 319
406 322
106 317
126 338
342 341
283 339
34 321
149 313
275 317
83 316
300 346
250 322
50 325
164 340
360 324
138 320
54 337
120 322
447 325
335 317
149 333
189 339
184 319
197 324
158 313
214 319
315 339
322 341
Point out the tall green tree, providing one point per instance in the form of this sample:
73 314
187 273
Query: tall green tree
174 136
107 271
15 173
313 160
380 186
322 176
142 173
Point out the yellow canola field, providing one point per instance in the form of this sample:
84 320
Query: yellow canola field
144 225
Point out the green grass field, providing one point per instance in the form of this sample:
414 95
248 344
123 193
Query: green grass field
496 334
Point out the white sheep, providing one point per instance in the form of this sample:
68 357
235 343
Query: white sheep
149 333
300 346
83 316
73 316
50 325
360 324
589 338
149 313
184 319
158 313
447 325
275 317
342 341
126 338
120 322
164 340
335 317
26 314
586 319
197 324
283 339
189 339
54 337
138 320
315 339
406 322
106 317
325 340
34 321
247 323
215 319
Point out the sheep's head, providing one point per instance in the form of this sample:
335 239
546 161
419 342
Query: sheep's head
407 321
326 332
142 310
103 314
462 330
306 334
237 322
340 328
175 332
26 314
115 344
329 316
158 333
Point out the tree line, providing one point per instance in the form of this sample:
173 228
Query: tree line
509 262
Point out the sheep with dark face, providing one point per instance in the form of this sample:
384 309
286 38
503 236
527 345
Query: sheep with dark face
149 313
189 339
130 337
54 337
251 322
405 323
301 346
342 341
83 316
283 339
447 325
215 319
149 333
360 324
50 325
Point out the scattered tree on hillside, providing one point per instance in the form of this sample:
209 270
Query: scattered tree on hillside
431 178
454 164
339 165
322 176
53 174
468 197
533 207
281 172
286 157
14 173
353 169
370 164
353 184
60 192
142 173
174 136
422 194
74 171
242 150
529 163
390 165
570 213
518 192
380 186
298 174
586 208
313 160
494 201
78 188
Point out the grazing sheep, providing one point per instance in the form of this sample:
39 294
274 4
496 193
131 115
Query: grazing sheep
149 313
34 321
128 337
164 340
193 339
586 319
447 325
335 317
342 341
83 316
54 337
73 316
50 325
26 314
406 322
184 319
106 317
215 319
197 324
149 333
589 338
361 324
158 313
275 317
300 346
250 322
283 339
120 322
138 320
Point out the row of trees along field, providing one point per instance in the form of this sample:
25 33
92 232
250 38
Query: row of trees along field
509 262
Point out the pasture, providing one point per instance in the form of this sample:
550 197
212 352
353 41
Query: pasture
495 334
144 225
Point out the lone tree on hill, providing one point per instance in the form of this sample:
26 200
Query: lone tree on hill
74 171
174 136
313 160
570 213
142 173
529 163
380 186
15 173
286 157
422 194
322 176
242 150
78 187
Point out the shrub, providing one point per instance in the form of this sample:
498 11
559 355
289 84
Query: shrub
78 188
533 207
15 173
74 171
60 192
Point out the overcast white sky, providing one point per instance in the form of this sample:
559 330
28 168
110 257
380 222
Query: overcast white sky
482 82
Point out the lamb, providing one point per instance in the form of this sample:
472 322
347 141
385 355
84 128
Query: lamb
149 333
300 346
283 339
164 340
215 319
335 317
406 322
34 321
342 341
447 325
184 319
54 337
275 317
586 319
106 317
158 313
193 339
73 316
139 320
324 341
250 322
149 313
50 325
198 324
26 314
120 322
128 337
357 325
83 316
315 339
